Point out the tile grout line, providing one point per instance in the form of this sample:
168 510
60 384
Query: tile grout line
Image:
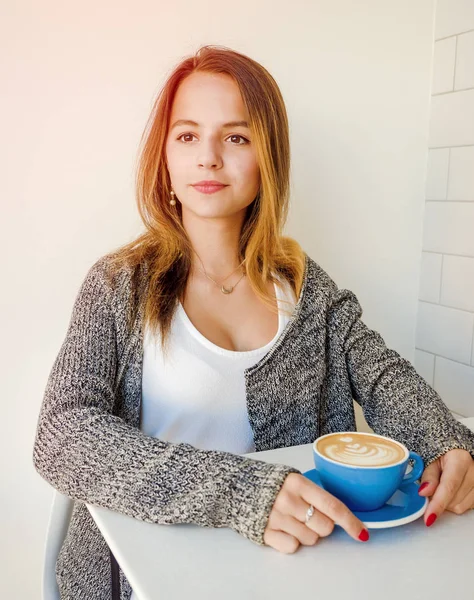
447 174
454 34
472 346
453 91
451 146
451 201
457 362
426 351
455 60
469 312
440 279
447 254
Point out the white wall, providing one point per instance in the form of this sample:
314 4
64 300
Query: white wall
445 324
78 84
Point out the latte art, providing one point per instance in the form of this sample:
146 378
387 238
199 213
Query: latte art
360 450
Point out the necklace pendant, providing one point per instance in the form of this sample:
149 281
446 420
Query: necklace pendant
225 290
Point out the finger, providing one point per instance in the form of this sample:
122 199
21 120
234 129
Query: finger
295 528
462 501
281 541
295 507
466 504
319 523
430 479
336 510
452 477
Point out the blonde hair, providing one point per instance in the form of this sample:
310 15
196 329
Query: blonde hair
165 246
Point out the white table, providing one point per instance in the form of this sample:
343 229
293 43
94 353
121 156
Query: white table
174 562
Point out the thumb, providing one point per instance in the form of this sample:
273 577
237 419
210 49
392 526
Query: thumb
430 479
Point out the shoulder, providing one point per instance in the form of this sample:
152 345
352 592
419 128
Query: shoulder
322 291
119 283
317 279
114 272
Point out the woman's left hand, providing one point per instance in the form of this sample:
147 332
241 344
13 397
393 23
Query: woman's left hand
450 481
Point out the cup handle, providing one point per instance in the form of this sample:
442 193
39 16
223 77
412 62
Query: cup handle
417 471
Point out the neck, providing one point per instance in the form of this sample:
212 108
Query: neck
218 269
216 244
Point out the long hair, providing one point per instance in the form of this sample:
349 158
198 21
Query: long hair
165 246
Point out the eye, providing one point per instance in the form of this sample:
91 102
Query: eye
246 141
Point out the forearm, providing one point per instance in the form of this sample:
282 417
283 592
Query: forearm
396 400
97 458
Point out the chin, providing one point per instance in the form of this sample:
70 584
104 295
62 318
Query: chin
210 211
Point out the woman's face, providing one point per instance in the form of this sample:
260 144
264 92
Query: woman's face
209 150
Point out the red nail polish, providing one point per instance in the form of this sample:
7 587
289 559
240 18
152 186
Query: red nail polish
431 519
364 535
423 486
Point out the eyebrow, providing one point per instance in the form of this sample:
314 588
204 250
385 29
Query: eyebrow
224 125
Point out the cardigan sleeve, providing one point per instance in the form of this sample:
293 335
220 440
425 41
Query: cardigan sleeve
396 401
90 454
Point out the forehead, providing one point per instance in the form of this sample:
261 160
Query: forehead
208 98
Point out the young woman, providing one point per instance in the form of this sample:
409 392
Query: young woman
212 335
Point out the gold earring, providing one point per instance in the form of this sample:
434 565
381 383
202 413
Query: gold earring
172 201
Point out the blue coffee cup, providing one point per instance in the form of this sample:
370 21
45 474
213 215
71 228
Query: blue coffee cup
365 488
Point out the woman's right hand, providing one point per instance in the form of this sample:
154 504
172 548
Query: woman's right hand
286 528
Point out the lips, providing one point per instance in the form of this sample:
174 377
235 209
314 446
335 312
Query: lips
209 182
209 189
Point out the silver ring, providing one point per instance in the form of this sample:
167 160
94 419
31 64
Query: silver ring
309 513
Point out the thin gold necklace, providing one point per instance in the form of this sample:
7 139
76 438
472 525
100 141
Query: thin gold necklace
224 290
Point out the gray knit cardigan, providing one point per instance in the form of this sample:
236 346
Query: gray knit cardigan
89 445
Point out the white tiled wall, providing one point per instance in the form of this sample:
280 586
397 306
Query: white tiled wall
445 324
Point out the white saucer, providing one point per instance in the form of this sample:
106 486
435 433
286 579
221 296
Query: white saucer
403 507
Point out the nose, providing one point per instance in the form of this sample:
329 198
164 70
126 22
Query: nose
209 155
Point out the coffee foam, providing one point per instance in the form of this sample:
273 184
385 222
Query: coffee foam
360 450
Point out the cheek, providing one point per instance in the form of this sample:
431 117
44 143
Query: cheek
175 154
178 165
249 167
171 157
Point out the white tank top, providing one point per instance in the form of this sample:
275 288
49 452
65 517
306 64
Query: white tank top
198 394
